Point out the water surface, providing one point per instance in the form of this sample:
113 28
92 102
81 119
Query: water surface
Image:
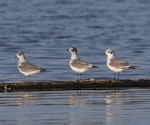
45 29
86 107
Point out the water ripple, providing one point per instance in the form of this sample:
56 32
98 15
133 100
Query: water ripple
45 29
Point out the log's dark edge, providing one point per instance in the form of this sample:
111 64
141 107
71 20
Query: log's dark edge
74 85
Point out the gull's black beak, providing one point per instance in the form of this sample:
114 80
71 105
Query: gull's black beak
67 50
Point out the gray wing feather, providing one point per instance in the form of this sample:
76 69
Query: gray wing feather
119 63
80 64
26 66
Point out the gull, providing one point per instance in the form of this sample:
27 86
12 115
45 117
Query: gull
116 65
77 65
27 68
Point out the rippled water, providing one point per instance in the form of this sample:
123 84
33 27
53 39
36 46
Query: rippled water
88 107
44 29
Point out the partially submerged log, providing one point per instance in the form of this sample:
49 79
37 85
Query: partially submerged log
73 85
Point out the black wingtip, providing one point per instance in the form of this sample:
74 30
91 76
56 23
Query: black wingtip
133 67
43 70
95 67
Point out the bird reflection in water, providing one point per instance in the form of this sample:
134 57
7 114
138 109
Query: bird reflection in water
115 98
26 99
113 105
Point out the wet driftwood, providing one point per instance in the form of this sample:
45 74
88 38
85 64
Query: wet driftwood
74 85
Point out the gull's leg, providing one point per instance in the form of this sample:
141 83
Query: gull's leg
25 78
77 76
80 75
114 75
30 78
118 75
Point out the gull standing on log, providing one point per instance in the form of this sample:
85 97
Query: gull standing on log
116 65
27 68
77 65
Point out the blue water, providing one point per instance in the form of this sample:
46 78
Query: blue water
45 29
88 107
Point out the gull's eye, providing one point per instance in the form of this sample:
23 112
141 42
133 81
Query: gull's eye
110 52
20 53
72 49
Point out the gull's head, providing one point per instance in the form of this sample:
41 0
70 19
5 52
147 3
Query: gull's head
73 50
109 53
20 55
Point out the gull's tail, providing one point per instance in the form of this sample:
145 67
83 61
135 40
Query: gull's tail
95 67
43 70
133 67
